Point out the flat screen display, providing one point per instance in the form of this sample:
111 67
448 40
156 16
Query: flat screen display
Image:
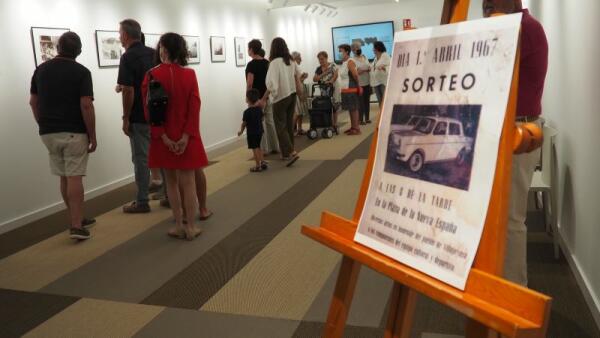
366 35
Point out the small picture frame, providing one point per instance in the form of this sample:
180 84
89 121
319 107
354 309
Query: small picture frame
109 48
45 43
240 51
193 45
217 49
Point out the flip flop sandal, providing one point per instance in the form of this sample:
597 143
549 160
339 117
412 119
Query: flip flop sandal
204 218
355 132
256 169
191 235
178 234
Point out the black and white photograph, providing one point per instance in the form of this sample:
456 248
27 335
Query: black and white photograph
151 40
193 46
240 51
108 44
433 143
217 49
45 41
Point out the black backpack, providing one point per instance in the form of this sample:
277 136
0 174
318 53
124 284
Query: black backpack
157 102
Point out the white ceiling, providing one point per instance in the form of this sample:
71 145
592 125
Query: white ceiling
335 3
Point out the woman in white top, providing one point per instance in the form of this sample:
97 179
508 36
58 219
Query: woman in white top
364 81
351 91
380 70
282 85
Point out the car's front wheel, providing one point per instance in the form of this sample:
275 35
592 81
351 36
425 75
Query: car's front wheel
416 161
461 158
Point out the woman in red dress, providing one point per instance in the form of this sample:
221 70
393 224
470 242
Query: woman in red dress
176 146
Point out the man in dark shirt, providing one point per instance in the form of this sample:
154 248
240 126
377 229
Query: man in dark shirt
62 103
533 68
256 76
136 61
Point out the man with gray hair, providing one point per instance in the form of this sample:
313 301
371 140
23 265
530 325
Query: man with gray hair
62 104
136 61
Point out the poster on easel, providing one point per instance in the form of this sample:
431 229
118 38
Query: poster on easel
439 136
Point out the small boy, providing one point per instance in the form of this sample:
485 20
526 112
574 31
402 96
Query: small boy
252 121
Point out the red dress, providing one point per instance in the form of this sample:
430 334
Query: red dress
183 116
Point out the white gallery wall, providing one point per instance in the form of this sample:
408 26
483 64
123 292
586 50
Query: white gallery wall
571 105
28 191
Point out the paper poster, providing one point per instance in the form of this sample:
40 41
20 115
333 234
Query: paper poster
439 135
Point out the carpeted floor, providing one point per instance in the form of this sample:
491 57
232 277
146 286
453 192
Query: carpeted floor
250 274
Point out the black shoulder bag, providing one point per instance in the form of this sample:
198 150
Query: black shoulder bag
157 102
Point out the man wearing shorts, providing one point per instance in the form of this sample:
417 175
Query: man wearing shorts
62 104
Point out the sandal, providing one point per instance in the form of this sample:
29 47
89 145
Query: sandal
191 234
177 233
264 165
204 218
256 169
354 132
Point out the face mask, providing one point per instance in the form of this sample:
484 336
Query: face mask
358 52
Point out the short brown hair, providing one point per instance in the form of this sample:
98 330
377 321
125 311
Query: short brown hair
132 28
346 47
323 54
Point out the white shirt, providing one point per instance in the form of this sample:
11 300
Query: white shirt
281 79
362 63
379 77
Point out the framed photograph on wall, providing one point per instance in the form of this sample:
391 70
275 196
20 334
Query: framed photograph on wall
217 49
240 51
109 48
151 40
193 45
45 42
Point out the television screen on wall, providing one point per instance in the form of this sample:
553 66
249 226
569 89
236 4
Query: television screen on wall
366 35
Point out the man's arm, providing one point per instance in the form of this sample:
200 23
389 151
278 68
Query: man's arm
249 81
33 102
128 95
89 119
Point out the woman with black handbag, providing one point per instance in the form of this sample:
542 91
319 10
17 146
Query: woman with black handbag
176 145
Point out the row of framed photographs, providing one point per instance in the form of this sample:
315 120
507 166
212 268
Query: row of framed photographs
109 48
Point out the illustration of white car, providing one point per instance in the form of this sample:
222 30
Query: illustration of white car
433 139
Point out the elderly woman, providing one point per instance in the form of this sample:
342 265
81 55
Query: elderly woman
327 74
302 100
380 69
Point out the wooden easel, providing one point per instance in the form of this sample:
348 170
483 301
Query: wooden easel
489 302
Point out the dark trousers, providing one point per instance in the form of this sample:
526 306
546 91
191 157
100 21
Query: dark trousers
283 114
364 105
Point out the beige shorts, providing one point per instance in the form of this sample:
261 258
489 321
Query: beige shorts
68 153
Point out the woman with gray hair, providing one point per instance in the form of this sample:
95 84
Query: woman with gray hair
302 101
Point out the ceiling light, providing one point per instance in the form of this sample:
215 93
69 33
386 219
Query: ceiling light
315 9
307 8
322 11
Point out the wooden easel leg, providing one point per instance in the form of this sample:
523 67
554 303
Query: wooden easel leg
342 298
402 310
474 329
